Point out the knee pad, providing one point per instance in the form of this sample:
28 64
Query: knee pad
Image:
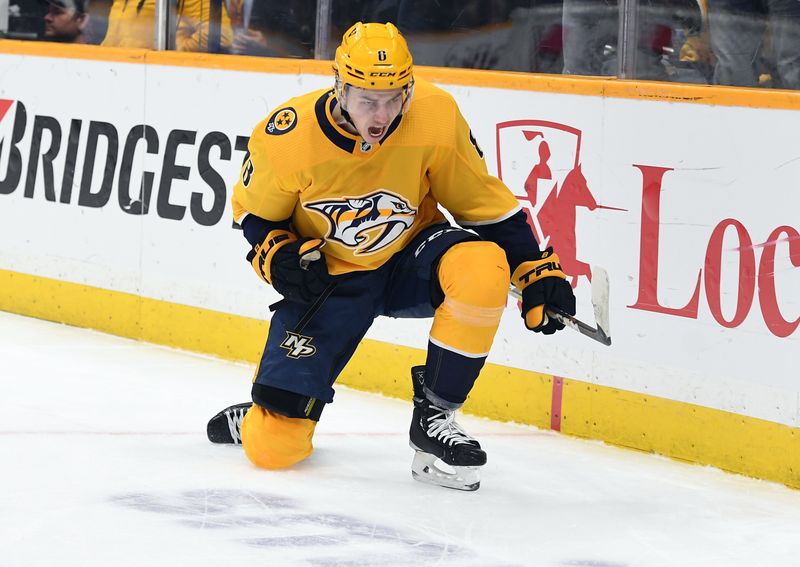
274 441
286 403
474 277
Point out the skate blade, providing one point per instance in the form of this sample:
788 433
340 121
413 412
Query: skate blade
425 469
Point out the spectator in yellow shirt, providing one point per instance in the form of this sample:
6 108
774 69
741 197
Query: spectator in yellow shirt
200 29
131 23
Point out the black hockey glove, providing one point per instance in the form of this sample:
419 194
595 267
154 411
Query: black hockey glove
544 286
295 268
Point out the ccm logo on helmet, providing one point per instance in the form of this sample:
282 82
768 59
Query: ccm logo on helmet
382 74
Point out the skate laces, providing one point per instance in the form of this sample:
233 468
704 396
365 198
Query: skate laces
235 417
443 426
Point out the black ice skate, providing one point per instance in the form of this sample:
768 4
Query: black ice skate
226 426
434 434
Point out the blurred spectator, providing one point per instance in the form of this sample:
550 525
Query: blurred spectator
589 36
741 31
246 40
66 21
591 39
690 59
266 28
201 25
131 24
513 35
98 19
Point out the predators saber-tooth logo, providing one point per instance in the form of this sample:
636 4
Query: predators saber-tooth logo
367 224
299 346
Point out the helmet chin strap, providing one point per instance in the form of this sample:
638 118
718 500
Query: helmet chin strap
346 116
339 88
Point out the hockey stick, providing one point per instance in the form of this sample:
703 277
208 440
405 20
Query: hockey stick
600 292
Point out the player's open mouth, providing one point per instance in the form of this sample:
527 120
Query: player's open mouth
376 132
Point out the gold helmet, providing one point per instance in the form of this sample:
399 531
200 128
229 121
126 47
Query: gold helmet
374 56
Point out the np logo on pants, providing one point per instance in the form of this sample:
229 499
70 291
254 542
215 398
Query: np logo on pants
298 345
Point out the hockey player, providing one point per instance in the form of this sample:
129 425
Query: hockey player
339 201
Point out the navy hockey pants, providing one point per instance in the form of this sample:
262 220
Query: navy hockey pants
308 346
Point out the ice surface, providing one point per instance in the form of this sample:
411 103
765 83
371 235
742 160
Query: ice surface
104 462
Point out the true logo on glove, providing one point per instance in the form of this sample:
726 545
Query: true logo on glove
536 272
261 257
298 346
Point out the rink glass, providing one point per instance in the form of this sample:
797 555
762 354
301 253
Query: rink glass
724 42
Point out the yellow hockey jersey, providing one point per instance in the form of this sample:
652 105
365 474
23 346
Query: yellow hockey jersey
368 201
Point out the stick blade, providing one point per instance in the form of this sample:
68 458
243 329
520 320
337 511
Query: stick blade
600 298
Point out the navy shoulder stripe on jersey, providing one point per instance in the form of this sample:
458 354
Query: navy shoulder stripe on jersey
330 132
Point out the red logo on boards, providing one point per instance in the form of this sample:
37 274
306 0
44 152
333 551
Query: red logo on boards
540 162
